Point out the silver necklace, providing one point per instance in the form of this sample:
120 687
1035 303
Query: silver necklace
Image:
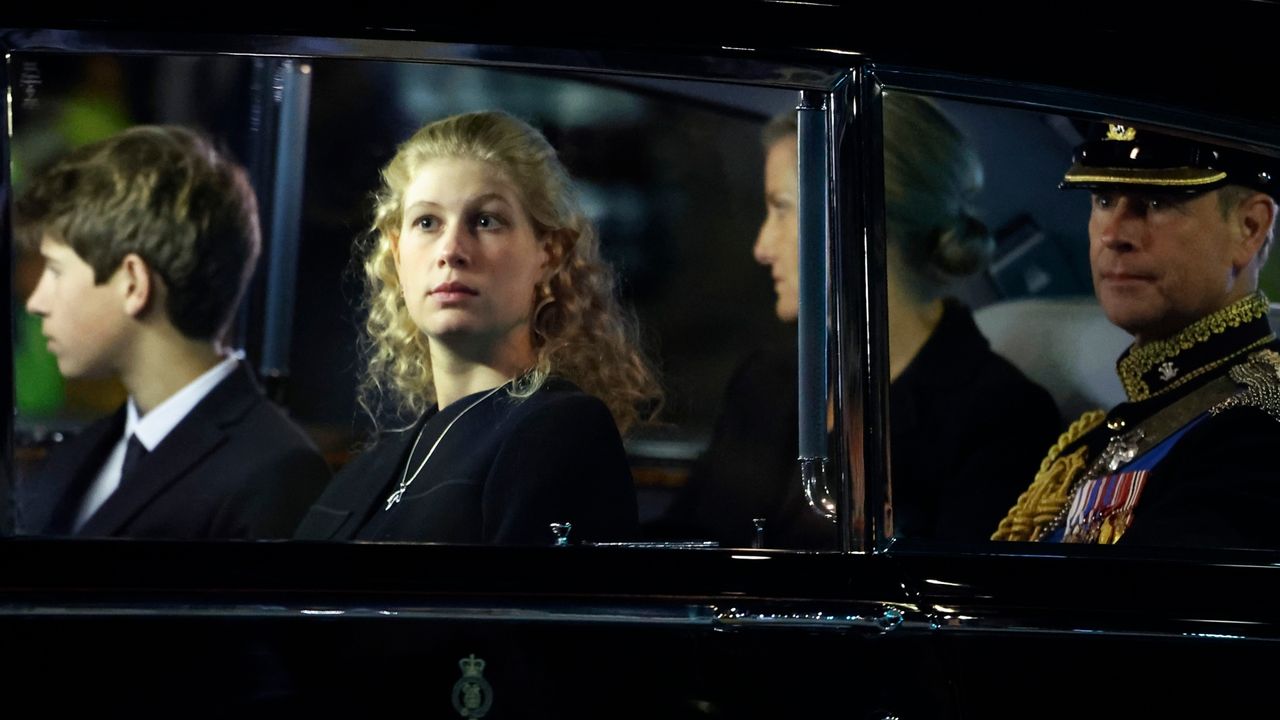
405 478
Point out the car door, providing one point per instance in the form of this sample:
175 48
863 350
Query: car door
1055 629
656 628
874 624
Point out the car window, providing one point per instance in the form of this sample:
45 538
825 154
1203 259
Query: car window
1000 347
672 174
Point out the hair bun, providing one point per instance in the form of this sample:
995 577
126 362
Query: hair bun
963 248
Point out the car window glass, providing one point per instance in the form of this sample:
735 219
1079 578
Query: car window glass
671 174
999 344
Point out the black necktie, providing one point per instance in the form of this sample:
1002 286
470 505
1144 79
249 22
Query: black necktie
133 454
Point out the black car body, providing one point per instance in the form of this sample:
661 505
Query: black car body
877 626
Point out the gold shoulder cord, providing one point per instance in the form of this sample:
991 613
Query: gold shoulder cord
1252 383
1051 490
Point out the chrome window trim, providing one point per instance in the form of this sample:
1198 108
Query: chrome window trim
743 66
8 387
860 313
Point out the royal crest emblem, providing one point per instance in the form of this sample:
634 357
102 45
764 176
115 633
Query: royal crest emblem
472 695
1121 132
1168 371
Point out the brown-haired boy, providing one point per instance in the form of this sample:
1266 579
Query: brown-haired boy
149 238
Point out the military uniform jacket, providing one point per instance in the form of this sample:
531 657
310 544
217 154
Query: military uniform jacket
1188 460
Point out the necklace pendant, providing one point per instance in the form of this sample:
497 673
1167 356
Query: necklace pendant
405 478
394 498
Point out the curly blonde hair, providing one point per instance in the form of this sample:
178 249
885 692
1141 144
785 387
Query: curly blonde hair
580 332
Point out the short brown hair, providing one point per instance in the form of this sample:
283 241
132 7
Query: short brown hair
1230 197
165 194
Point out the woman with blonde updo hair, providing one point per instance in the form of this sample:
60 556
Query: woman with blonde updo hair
493 331
966 427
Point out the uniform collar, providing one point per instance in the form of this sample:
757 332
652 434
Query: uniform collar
1208 343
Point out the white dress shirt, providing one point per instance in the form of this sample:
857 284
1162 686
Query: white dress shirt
150 429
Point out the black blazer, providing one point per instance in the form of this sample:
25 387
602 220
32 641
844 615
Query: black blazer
502 474
234 467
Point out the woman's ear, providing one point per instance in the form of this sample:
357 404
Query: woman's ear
553 244
556 245
137 284
393 239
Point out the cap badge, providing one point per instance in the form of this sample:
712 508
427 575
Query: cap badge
1121 132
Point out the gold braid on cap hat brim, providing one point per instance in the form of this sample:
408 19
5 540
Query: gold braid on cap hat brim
1050 492
1167 177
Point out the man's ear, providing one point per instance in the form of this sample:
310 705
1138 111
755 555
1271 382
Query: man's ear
1256 216
137 284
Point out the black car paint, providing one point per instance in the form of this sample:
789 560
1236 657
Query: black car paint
908 630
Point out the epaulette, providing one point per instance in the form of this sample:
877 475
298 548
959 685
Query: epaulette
1259 376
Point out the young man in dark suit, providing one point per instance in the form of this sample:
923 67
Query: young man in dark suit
149 238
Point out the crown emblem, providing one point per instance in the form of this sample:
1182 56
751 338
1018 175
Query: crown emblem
1116 131
471 666
472 694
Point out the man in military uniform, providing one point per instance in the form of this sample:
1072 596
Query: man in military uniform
1177 235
